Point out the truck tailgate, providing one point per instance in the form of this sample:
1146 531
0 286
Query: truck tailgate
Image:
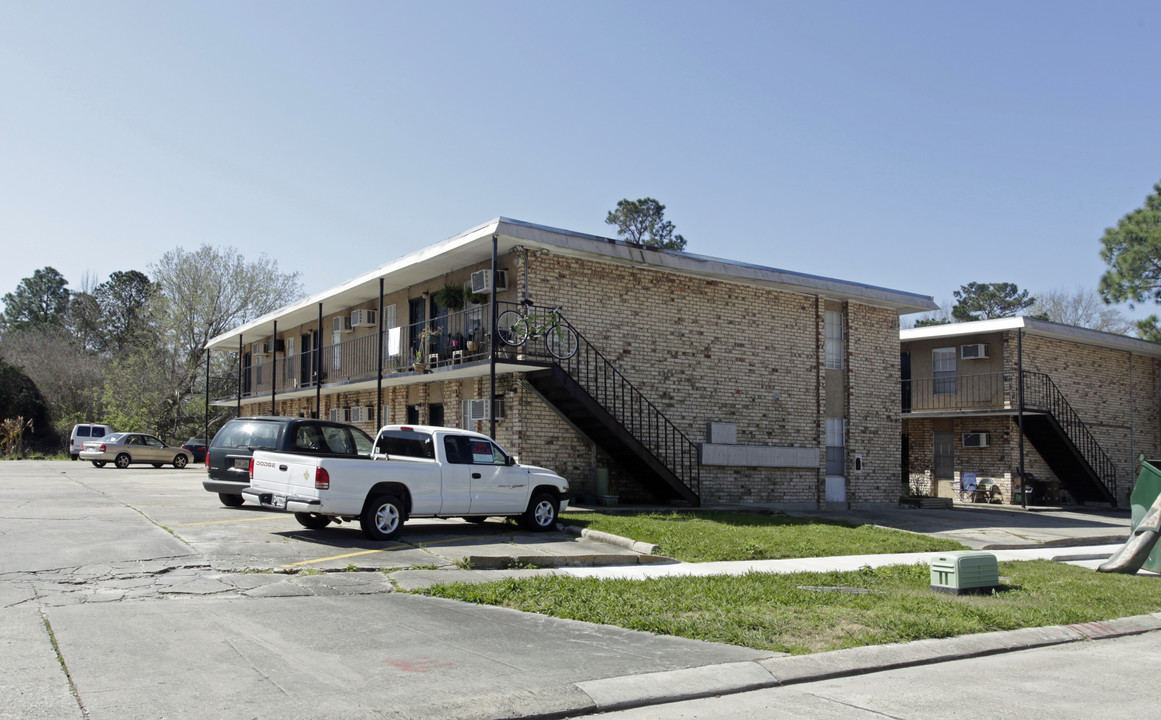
285 474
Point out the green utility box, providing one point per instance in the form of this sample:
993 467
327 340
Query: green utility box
964 572
1146 490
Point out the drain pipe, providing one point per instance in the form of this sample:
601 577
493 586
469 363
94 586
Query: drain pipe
318 367
274 372
1020 412
492 343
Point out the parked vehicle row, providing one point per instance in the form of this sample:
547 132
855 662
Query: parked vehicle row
414 471
326 472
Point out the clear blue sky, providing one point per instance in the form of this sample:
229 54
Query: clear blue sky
912 145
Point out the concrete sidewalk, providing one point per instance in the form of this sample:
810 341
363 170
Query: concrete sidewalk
1080 554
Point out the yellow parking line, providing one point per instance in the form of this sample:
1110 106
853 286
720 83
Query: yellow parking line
219 522
370 552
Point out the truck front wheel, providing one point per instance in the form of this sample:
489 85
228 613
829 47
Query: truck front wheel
382 518
541 512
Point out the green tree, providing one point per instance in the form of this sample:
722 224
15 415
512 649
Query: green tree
643 221
196 297
1132 250
83 320
986 301
124 301
19 397
39 301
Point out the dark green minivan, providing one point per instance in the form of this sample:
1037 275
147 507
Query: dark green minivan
228 456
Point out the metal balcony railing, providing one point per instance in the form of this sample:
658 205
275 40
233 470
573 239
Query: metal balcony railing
457 337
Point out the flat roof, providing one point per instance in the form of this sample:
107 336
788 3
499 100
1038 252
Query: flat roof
474 246
1034 326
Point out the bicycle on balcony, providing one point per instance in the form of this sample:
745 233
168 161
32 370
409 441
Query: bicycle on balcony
517 328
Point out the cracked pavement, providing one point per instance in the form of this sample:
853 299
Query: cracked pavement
135 593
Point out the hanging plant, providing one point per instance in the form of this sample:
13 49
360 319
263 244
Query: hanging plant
449 297
472 297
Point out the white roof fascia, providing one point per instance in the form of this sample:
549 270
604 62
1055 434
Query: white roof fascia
1034 326
476 242
259 326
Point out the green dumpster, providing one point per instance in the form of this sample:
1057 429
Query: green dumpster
1146 490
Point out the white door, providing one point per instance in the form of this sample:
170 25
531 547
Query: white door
836 489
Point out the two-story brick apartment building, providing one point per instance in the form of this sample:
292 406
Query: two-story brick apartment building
696 379
1089 406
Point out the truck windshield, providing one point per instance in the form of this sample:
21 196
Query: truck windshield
407 443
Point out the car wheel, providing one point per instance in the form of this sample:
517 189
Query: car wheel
122 461
231 500
382 518
314 521
541 512
98 463
156 465
72 457
477 519
179 462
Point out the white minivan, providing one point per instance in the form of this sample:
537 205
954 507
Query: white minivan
83 432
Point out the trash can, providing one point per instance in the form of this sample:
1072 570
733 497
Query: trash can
1146 490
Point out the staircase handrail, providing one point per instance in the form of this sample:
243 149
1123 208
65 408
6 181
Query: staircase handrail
609 387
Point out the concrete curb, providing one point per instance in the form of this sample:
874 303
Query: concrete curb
609 538
1060 543
633 691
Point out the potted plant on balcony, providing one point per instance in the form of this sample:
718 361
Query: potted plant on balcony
449 297
423 338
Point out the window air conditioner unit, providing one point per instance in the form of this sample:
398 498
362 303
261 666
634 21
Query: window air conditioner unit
340 415
975 440
978 351
362 414
364 318
260 348
481 281
341 324
478 409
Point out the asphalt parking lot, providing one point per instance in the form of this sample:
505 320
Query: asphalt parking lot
252 538
136 594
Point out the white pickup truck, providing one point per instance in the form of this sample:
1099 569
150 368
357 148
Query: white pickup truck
414 471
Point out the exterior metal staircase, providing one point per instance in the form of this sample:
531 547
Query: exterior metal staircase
1062 439
596 397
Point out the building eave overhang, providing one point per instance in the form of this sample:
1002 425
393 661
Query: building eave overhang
474 246
1034 326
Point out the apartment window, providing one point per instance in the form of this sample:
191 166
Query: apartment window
336 351
833 331
943 370
836 455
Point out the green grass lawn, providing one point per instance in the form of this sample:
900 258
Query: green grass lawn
775 612
703 536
